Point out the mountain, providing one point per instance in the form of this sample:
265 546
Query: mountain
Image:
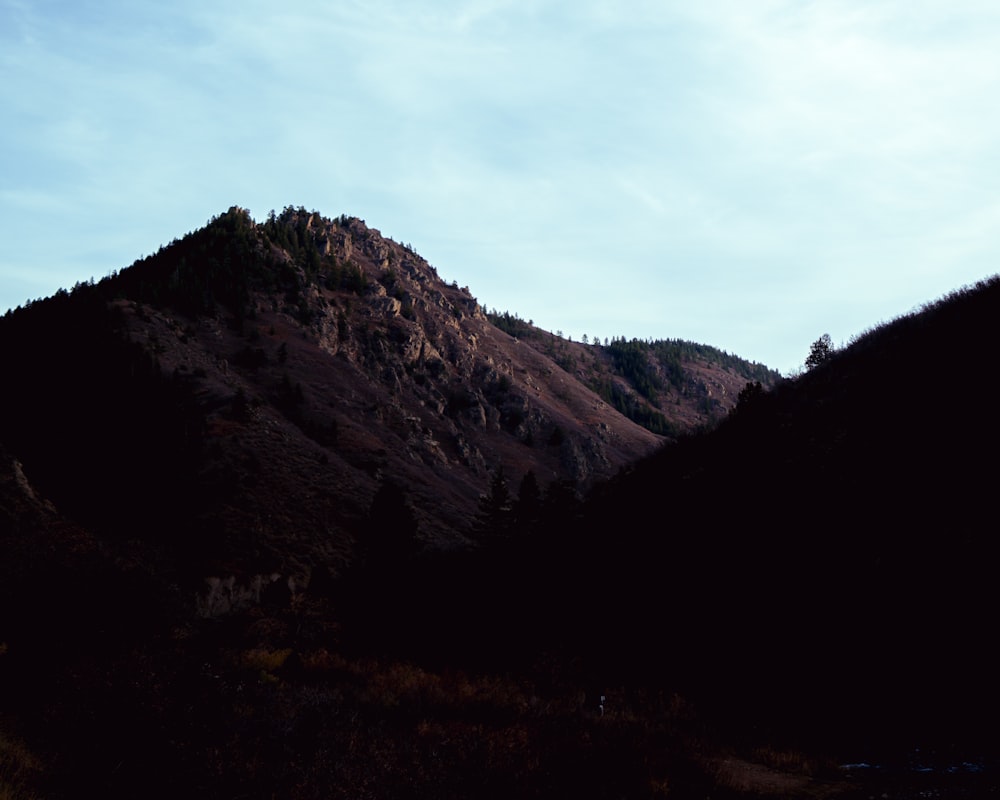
284 513
247 390
241 469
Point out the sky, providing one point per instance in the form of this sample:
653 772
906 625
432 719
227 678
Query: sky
748 174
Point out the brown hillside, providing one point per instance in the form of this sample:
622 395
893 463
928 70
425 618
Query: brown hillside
305 362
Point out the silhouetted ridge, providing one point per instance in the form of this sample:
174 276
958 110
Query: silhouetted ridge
825 553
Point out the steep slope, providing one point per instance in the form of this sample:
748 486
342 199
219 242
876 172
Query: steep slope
824 557
257 408
244 392
250 387
669 386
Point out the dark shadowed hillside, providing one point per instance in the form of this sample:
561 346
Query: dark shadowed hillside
826 554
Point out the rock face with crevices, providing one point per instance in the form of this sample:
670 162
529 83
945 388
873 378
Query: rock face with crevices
252 385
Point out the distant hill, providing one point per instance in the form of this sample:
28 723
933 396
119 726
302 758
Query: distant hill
669 386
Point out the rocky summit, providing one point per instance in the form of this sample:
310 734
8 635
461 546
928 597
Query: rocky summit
272 376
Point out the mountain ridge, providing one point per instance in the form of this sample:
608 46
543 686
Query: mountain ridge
317 356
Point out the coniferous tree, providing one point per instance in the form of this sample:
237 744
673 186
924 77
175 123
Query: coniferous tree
820 351
495 508
749 395
528 506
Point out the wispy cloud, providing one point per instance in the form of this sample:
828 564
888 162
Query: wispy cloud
745 173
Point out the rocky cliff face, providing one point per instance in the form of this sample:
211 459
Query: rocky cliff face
307 361
269 377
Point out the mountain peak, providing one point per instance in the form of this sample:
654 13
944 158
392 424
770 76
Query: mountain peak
304 361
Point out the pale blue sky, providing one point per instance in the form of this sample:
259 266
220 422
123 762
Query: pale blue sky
744 173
